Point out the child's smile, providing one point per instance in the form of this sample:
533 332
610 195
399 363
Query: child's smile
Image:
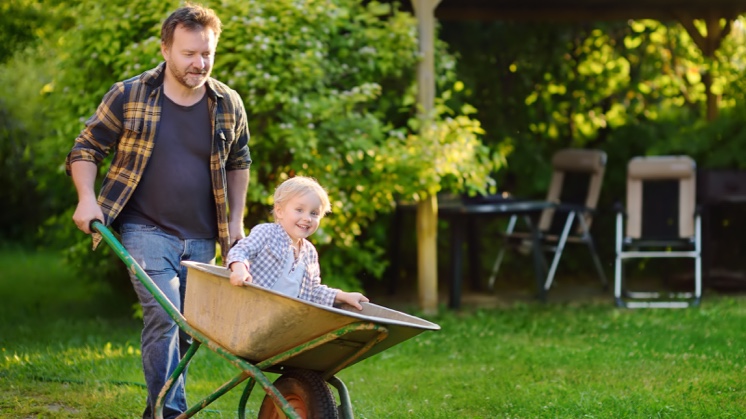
300 216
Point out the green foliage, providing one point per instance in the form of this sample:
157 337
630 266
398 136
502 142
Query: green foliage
719 144
15 218
538 88
329 90
24 22
629 87
25 73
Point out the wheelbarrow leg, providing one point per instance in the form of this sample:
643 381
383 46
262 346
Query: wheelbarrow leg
345 405
248 371
238 379
245 398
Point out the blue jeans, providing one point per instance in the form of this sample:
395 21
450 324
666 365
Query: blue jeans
163 343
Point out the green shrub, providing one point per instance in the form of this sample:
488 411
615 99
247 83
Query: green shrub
329 90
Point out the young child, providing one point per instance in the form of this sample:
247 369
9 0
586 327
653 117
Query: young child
278 256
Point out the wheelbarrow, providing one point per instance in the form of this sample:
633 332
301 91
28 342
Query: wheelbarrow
260 331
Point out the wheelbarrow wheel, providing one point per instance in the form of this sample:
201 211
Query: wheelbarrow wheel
306 392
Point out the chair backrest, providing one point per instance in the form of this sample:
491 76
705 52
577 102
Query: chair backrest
577 177
661 194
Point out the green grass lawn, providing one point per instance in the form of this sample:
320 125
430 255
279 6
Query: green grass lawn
60 357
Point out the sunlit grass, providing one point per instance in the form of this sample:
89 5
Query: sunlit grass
564 361
58 358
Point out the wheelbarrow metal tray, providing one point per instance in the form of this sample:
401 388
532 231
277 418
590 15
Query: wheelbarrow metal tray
257 323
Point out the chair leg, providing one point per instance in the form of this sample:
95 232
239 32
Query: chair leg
629 299
496 268
597 262
592 247
558 250
501 254
540 263
618 263
697 260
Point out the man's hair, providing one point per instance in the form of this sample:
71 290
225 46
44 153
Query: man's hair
300 185
193 17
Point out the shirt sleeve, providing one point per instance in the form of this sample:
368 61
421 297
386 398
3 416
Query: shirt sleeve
102 130
239 156
312 289
247 248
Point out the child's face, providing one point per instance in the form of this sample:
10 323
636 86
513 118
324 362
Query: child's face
300 215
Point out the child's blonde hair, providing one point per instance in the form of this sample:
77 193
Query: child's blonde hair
300 185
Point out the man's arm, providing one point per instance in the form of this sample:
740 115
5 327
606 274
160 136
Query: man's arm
238 185
84 177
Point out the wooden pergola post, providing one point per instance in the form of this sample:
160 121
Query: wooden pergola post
427 207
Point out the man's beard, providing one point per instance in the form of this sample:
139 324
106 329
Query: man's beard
187 79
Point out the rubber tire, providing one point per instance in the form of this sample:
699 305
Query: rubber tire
307 392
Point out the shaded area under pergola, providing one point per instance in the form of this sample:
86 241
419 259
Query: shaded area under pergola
587 10
717 16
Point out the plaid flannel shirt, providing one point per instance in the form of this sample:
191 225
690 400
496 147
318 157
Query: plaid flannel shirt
265 250
126 122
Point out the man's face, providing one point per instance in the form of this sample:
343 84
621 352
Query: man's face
300 215
190 57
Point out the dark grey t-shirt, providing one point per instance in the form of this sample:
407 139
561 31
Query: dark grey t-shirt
175 192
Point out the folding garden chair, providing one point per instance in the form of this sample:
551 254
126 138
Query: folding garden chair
662 221
575 187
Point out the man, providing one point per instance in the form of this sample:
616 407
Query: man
177 182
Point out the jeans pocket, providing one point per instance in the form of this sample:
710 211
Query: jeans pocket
136 228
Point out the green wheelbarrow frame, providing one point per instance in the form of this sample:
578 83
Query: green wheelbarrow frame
350 338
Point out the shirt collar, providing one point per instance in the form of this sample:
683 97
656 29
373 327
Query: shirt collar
282 241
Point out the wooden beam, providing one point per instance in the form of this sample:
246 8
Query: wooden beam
550 15
581 10
424 11
427 207
427 254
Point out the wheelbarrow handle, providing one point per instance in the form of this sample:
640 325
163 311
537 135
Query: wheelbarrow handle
93 227
135 268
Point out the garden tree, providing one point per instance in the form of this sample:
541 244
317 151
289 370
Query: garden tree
328 88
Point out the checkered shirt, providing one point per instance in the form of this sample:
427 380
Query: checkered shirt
265 250
126 123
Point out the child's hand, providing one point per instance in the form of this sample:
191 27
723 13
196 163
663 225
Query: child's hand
351 298
240 275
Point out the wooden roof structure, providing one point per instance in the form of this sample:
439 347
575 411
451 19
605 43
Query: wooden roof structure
712 12
717 15
587 10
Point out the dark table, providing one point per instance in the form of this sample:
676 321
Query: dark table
717 189
460 211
